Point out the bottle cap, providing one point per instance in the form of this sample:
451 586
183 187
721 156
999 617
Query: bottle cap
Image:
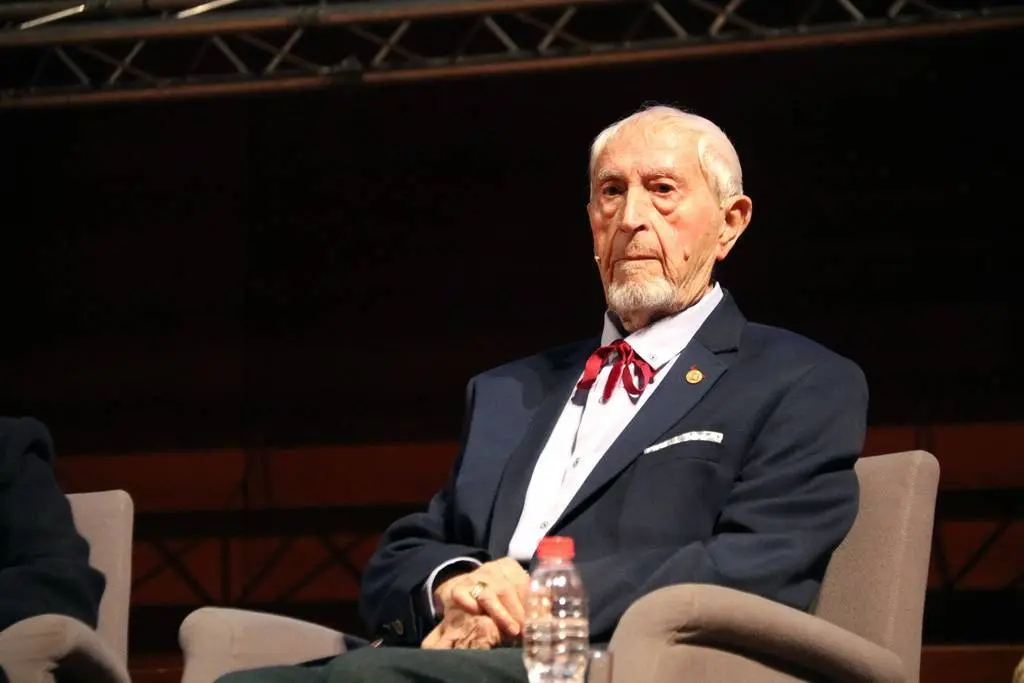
560 547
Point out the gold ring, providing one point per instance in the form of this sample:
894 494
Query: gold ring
477 589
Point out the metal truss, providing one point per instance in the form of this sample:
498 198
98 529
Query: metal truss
1002 509
961 596
958 602
58 52
339 531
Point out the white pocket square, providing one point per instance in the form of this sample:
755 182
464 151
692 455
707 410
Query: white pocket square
715 437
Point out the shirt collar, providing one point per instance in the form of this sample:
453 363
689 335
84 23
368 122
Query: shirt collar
664 340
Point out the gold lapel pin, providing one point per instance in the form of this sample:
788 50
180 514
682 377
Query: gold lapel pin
694 375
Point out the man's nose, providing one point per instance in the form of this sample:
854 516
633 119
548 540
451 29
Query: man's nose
637 211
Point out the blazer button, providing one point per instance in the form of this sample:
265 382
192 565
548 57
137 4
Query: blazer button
398 627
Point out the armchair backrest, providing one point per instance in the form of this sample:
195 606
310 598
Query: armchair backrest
106 520
876 581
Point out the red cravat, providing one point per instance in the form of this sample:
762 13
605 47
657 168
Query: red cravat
624 365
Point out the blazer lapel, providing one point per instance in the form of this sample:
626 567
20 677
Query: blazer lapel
672 400
558 386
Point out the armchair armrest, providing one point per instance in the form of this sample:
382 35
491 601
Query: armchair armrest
713 616
218 640
49 645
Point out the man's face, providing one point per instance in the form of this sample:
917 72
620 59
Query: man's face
658 227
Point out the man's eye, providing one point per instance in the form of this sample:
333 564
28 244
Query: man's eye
612 191
663 188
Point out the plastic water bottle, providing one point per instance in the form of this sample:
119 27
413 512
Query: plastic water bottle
556 635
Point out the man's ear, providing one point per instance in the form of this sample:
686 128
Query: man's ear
738 211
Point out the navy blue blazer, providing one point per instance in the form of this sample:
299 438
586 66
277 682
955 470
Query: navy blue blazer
761 511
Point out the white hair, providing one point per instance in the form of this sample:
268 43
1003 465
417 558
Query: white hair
718 159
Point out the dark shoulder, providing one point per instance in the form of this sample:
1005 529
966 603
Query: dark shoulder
22 437
795 354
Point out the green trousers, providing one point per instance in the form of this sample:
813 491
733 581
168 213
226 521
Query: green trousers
398 665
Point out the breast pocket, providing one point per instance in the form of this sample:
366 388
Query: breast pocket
703 450
690 441
674 496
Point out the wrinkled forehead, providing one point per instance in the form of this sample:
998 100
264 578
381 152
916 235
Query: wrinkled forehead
642 146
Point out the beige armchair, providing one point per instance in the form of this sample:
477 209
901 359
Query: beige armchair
55 646
865 627
219 640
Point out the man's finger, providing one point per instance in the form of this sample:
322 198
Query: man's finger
474 635
509 597
519 581
486 602
432 639
493 605
463 598
448 639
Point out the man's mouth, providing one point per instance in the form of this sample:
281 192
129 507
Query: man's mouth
628 259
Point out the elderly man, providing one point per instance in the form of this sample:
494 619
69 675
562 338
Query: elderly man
684 445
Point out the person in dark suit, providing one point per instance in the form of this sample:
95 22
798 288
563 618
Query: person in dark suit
684 445
44 561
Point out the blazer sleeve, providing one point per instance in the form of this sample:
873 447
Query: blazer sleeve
794 500
44 562
392 598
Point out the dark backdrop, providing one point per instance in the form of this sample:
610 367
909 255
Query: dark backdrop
333 266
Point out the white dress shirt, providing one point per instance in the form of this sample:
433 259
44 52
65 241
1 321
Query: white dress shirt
588 426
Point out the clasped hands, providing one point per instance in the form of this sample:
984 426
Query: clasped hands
482 609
